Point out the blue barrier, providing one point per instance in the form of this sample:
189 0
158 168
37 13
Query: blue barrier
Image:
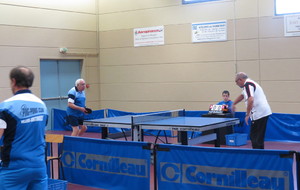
182 167
107 164
283 127
60 123
126 165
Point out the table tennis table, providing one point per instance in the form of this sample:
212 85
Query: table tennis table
174 120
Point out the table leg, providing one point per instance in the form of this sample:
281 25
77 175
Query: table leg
136 133
183 138
104 132
218 141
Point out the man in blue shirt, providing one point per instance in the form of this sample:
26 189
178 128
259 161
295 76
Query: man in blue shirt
23 119
76 108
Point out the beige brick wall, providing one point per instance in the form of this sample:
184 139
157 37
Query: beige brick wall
35 30
182 74
178 74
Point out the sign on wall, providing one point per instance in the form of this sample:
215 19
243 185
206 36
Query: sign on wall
292 25
209 31
150 36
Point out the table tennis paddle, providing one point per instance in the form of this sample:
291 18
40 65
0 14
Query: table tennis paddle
88 110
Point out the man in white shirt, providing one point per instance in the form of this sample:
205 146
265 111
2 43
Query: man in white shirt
258 109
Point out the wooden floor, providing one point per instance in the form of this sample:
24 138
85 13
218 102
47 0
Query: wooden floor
295 146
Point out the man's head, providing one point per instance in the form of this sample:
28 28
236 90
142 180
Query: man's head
225 95
80 85
21 77
240 79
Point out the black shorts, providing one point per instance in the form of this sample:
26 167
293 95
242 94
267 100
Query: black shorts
74 121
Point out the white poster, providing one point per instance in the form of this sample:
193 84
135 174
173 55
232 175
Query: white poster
209 31
149 36
292 25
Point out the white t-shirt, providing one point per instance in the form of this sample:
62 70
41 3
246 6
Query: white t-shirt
261 107
3 124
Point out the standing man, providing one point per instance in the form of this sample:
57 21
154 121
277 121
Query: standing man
258 109
23 119
76 108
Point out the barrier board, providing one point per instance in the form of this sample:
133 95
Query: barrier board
107 164
183 167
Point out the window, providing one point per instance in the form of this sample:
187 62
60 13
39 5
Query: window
284 7
196 1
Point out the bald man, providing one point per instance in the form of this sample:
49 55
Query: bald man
23 119
258 109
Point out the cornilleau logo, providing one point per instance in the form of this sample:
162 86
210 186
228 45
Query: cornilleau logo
106 164
224 177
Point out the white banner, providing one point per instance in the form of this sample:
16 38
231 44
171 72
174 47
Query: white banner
209 31
292 25
149 36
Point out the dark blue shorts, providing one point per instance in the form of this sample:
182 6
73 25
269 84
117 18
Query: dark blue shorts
24 178
74 121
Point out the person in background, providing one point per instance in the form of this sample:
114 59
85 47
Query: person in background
76 108
226 101
258 109
23 119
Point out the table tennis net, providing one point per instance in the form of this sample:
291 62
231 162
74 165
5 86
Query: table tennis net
157 116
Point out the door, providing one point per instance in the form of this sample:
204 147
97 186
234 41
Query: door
57 78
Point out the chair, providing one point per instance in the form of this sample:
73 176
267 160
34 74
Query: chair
55 142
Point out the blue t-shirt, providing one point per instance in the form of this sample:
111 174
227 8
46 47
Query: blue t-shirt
229 103
26 118
78 98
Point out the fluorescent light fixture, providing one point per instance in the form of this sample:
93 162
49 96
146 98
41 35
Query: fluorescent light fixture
284 7
196 1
